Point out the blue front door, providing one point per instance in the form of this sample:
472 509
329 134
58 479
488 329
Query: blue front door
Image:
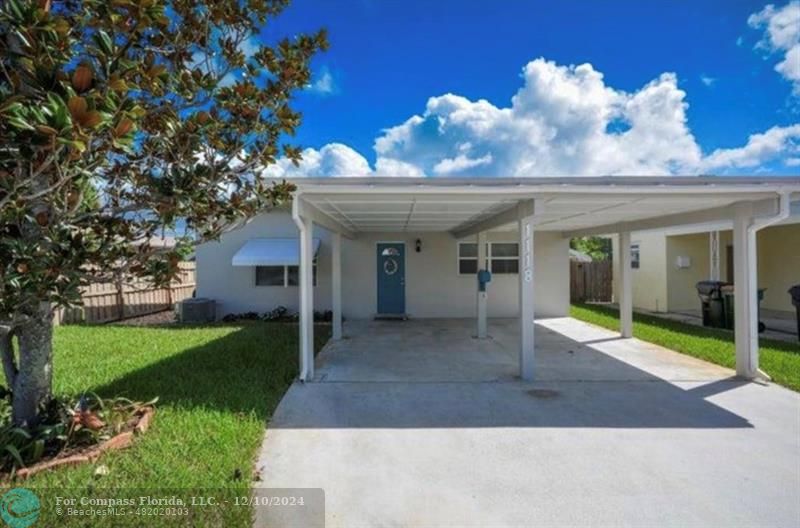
391 278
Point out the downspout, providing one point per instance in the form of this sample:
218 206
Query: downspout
784 210
301 227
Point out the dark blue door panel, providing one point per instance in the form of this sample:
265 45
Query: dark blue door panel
391 278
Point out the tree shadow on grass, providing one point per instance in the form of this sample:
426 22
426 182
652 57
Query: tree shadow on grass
245 371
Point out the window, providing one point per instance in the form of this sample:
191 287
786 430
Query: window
635 256
269 275
293 275
281 275
502 257
467 258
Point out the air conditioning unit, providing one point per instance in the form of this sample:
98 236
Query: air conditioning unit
197 310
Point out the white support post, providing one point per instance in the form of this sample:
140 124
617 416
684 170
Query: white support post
713 254
625 285
336 285
482 295
526 292
746 293
306 301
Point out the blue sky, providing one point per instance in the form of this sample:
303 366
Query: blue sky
388 58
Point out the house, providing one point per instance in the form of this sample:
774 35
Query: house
667 264
410 247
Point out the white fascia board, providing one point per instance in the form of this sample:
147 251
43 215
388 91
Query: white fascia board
725 225
560 185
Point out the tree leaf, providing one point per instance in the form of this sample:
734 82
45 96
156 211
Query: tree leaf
104 42
77 107
14 452
92 119
46 130
37 450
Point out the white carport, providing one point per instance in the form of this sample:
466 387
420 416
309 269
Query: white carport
468 208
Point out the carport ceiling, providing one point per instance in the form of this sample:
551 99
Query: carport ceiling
412 206
398 213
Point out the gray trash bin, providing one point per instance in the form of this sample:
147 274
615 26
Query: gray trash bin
794 291
713 309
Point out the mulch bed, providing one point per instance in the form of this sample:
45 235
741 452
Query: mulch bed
166 317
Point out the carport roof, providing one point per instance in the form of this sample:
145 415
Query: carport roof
571 205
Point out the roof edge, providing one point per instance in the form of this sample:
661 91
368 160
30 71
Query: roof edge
582 181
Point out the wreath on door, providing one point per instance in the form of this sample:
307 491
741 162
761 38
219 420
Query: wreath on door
390 266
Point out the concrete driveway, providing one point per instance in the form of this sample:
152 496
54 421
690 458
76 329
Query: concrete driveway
416 424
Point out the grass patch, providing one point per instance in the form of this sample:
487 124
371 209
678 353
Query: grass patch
217 387
779 359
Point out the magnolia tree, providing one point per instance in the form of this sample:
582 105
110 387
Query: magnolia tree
118 120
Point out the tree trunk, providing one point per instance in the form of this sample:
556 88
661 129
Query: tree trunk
33 385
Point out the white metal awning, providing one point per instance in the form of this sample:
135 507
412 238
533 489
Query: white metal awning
271 252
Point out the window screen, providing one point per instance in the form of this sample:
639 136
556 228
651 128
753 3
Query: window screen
467 258
269 275
293 275
504 257
468 266
500 266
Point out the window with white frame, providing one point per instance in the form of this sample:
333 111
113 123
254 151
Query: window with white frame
502 257
281 275
467 258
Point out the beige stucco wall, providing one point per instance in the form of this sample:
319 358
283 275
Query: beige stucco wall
433 286
681 291
778 249
778 267
649 283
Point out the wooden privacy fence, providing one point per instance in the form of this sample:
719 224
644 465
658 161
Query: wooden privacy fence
109 301
590 281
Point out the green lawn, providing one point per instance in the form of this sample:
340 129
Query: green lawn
779 359
217 388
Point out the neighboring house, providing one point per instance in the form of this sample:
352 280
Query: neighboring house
668 264
414 247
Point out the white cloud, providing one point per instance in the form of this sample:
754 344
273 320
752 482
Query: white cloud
792 162
708 81
388 167
334 160
758 148
556 125
781 35
324 84
563 121
460 163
